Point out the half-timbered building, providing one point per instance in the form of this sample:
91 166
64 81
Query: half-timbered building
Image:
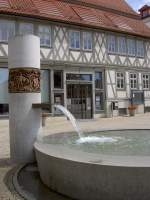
95 54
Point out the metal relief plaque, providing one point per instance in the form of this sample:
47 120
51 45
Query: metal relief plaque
24 80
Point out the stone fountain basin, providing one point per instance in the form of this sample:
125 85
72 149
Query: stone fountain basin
91 176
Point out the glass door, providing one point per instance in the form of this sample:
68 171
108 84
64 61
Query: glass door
79 100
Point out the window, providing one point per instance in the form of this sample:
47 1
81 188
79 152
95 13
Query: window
45 86
3 90
79 77
145 78
3 85
25 28
98 80
99 101
120 80
99 91
59 99
121 45
44 33
133 81
7 29
131 47
87 41
111 44
74 39
140 48
122 49
58 79
145 13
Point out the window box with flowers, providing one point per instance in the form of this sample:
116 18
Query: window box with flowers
131 109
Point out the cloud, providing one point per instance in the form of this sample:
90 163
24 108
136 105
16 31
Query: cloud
144 2
137 4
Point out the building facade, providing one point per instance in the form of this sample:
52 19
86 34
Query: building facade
95 57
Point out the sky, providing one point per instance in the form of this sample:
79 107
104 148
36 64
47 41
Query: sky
136 4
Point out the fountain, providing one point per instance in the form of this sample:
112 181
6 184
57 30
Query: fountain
71 118
82 138
106 165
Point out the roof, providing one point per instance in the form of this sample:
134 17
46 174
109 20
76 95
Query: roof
145 7
119 5
114 15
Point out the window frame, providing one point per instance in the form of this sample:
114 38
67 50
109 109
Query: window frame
120 79
62 80
98 93
5 21
69 39
131 73
6 91
144 88
49 81
115 42
48 34
102 81
145 13
126 48
25 22
128 45
83 34
118 46
140 55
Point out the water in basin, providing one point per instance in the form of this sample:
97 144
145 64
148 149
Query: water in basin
117 142
120 142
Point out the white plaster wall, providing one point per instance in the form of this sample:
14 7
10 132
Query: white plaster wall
60 43
147 94
121 94
100 55
46 53
123 104
127 81
111 84
88 57
140 81
147 98
147 103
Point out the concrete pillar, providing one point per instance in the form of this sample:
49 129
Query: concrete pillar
24 90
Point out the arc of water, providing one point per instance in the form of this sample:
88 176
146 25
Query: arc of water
71 118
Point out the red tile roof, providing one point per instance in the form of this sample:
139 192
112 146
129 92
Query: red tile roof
119 5
102 14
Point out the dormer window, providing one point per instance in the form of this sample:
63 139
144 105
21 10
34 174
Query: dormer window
145 13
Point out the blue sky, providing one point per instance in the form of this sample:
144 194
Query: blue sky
136 4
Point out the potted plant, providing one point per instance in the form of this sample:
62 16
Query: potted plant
132 109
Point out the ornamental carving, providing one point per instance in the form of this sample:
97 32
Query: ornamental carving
24 80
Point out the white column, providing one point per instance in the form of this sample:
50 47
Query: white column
24 121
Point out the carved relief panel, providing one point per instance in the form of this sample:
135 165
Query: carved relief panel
24 80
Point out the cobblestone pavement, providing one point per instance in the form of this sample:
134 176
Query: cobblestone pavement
56 125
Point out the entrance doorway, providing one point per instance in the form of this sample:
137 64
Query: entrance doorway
79 100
